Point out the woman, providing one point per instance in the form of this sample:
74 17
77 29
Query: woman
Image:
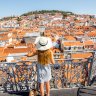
45 58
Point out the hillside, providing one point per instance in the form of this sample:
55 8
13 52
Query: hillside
51 12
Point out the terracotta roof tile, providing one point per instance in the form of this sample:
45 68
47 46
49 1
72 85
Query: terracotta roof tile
89 42
16 50
79 33
76 43
69 38
92 34
81 55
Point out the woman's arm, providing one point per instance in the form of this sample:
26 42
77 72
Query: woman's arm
52 58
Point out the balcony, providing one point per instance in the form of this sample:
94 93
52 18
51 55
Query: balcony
21 76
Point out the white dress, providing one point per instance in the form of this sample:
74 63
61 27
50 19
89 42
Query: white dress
43 73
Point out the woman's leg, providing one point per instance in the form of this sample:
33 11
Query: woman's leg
42 89
48 88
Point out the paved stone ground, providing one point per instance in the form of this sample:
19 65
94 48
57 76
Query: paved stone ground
6 94
54 92
64 92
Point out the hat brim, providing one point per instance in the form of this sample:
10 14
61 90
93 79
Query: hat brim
46 47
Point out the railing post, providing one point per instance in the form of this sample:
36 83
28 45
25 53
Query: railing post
90 61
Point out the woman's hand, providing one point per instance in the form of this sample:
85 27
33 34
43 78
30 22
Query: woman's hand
32 53
29 54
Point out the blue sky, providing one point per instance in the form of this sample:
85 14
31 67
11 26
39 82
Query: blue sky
18 7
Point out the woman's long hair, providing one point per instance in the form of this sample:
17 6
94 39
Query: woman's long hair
44 57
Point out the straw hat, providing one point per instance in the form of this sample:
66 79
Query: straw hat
43 43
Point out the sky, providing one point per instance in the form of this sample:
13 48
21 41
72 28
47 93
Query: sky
18 7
